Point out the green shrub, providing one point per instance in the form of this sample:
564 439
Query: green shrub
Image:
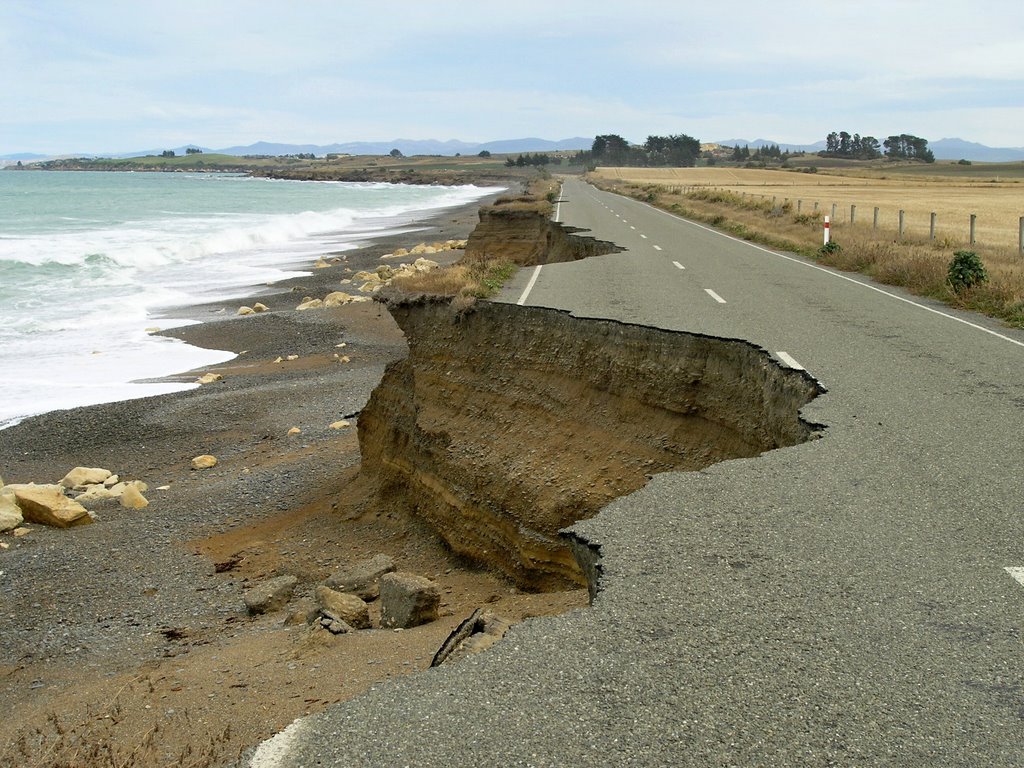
829 248
966 270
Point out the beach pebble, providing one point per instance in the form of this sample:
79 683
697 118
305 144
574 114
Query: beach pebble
259 307
209 378
279 359
310 304
292 357
204 462
339 424
321 263
294 431
245 310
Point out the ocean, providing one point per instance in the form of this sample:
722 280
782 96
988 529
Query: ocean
89 261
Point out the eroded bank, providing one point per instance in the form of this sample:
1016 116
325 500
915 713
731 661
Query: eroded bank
506 424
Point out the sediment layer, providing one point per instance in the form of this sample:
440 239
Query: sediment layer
506 424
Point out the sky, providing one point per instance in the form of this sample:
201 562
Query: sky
106 76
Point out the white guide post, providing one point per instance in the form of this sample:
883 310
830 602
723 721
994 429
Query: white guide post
827 225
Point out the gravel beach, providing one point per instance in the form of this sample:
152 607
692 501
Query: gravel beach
131 634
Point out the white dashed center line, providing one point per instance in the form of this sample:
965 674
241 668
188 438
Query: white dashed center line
644 236
678 265
657 247
714 296
1016 573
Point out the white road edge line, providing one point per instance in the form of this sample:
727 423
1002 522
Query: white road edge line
788 360
1016 573
842 277
680 266
529 285
714 296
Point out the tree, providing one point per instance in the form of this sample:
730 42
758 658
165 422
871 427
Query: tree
610 148
167 153
908 147
396 153
193 151
483 153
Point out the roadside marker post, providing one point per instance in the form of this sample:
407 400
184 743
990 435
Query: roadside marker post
827 227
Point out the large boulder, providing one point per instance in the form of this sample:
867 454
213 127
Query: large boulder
363 578
10 512
81 478
341 605
271 595
407 600
47 505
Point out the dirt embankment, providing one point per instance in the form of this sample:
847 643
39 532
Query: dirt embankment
506 424
523 233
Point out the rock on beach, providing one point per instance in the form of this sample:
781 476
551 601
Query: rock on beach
47 505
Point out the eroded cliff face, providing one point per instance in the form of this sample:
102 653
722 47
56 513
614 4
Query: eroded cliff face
506 424
525 235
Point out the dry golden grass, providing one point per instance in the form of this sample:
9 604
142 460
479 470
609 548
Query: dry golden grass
998 205
915 262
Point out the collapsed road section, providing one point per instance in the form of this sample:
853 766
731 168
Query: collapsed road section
506 424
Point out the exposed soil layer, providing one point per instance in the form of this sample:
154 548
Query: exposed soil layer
506 424
524 234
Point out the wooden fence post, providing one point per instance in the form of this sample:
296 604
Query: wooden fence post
875 223
853 214
931 227
901 224
1020 235
974 219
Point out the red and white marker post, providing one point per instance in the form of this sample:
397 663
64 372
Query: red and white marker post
827 230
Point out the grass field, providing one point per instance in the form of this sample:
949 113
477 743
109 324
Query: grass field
998 205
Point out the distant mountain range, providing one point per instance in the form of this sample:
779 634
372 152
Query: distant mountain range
944 149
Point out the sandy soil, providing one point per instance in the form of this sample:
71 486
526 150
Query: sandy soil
127 642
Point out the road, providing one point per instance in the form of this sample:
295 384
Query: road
850 601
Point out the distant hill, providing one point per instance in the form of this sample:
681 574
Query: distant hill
412 147
758 143
958 149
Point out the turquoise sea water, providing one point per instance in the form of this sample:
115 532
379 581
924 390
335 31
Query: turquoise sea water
88 261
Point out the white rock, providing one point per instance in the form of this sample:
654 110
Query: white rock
258 307
47 505
82 477
133 499
337 299
339 424
10 512
204 462
245 310
209 378
310 304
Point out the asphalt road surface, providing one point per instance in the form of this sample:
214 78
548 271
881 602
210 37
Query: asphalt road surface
851 601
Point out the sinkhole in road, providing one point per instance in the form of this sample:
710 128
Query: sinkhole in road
505 424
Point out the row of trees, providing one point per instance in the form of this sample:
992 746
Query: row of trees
765 153
530 160
857 147
611 149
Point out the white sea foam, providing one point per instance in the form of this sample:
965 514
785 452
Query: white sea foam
88 261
